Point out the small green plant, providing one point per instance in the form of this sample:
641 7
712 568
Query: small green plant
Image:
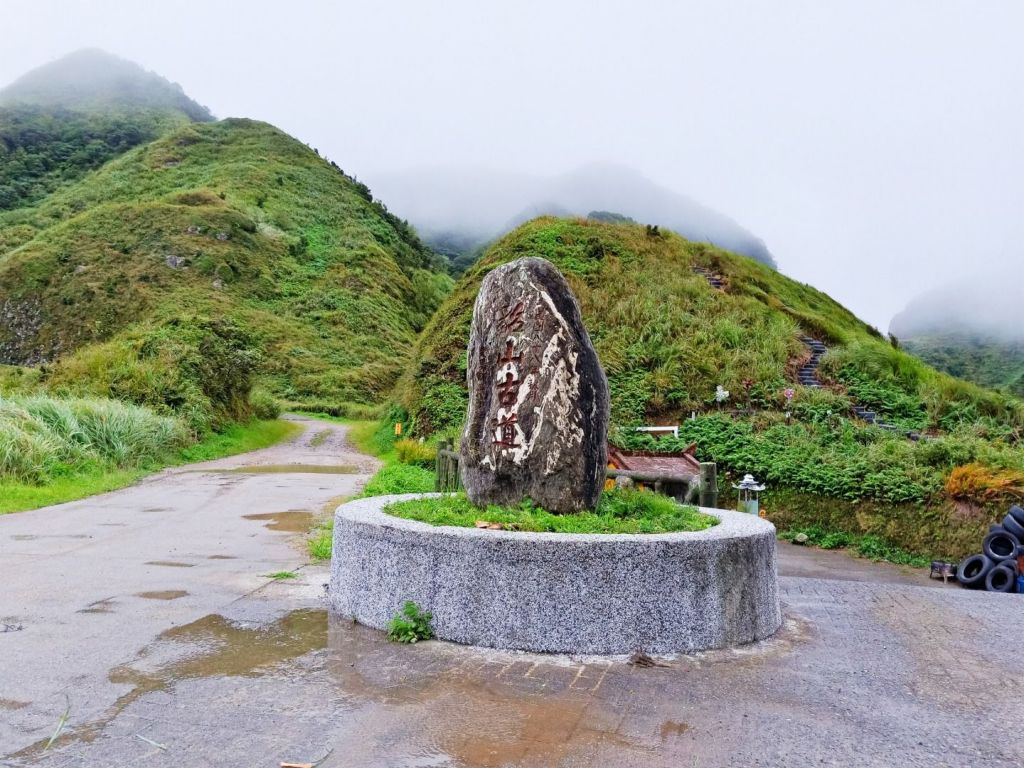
321 543
411 624
836 540
282 575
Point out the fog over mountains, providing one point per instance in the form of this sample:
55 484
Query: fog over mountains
469 207
991 309
90 78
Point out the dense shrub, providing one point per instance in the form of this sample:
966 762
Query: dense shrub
416 453
837 458
199 369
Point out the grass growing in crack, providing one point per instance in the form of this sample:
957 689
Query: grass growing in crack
282 575
622 510
321 541
411 624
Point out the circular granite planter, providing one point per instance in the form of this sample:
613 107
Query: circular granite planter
560 592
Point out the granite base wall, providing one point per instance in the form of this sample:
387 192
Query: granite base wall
560 593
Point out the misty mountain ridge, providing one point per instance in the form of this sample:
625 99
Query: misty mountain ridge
458 210
983 309
91 78
971 330
72 115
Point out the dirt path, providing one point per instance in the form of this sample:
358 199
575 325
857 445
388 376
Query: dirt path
85 585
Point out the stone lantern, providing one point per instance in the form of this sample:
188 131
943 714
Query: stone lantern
748 491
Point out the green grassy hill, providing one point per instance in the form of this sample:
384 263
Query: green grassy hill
232 221
70 116
667 339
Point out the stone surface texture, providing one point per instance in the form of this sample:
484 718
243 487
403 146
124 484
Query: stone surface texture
552 592
537 423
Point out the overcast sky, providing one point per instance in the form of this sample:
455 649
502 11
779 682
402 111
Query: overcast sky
876 146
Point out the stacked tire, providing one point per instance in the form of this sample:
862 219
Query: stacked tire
995 568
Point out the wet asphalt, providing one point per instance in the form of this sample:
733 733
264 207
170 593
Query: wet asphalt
163 638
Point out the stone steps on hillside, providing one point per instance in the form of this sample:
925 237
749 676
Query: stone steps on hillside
715 281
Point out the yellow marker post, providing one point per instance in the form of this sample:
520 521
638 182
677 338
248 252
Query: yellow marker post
398 429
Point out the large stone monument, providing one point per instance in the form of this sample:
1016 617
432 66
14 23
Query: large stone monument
537 424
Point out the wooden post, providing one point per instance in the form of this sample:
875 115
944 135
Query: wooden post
447 468
439 469
708 484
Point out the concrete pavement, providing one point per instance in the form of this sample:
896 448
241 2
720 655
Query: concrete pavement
85 585
876 665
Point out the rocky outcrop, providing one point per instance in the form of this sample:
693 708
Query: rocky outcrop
20 323
538 399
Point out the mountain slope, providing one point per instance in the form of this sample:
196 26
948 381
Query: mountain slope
458 212
230 220
70 116
667 338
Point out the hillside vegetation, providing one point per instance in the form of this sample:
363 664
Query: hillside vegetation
228 234
69 117
988 361
667 339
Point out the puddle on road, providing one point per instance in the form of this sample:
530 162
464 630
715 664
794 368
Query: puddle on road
165 594
171 564
292 521
34 536
455 705
429 705
222 557
228 649
222 648
287 469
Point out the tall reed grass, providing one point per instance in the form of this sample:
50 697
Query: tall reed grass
44 437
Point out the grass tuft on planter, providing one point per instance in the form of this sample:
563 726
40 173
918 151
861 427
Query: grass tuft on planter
623 510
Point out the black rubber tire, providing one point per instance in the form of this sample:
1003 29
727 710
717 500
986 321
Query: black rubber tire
1013 527
973 570
999 546
1001 579
1017 513
1010 562
996 528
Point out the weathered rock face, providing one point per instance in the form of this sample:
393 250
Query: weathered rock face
538 399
